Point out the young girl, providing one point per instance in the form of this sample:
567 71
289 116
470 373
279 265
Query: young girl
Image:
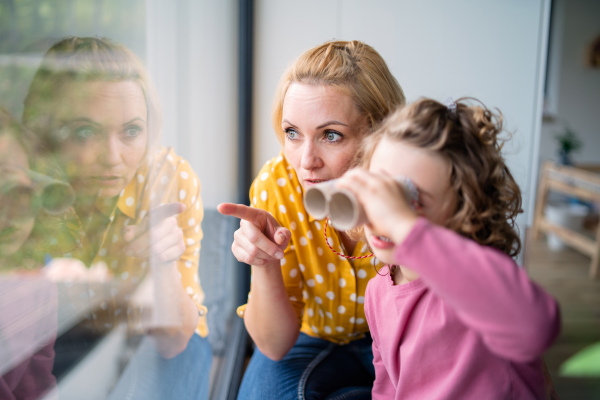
455 317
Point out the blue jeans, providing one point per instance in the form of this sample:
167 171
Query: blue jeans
313 369
149 376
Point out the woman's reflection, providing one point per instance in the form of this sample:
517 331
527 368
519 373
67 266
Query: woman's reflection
138 206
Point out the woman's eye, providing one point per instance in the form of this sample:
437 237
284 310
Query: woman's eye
291 134
333 136
84 132
133 131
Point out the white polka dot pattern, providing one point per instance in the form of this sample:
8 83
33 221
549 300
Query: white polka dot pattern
325 284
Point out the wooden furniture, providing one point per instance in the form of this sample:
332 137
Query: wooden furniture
581 182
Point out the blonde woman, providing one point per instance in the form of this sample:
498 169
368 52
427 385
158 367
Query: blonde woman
305 311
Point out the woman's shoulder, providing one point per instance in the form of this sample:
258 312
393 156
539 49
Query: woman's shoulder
166 177
166 167
276 183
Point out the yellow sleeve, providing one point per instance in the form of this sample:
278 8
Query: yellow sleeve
270 191
190 222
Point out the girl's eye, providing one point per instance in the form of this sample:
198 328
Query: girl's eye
291 134
84 132
133 131
333 136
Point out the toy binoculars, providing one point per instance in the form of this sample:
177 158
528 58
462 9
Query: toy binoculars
40 191
55 196
341 205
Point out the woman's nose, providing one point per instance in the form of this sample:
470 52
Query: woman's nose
111 154
311 157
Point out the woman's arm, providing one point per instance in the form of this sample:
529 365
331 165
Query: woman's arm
269 316
160 238
175 315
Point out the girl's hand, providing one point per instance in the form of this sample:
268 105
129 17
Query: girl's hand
260 241
389 212
157 236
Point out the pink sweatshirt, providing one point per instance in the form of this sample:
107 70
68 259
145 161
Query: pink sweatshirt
473 326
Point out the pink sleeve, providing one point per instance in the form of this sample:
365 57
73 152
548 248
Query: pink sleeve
488 291
383 388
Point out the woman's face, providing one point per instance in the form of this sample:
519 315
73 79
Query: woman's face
323 131
105 129
17 214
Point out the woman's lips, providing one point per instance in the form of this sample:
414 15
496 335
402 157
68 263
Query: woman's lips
310 182
381 242
107 180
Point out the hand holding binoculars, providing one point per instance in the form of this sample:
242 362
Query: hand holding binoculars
49 194
341 205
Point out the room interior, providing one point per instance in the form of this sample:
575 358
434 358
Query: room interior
216 65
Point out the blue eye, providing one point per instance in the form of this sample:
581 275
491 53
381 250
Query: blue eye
291 134
133 131
332 136
84 132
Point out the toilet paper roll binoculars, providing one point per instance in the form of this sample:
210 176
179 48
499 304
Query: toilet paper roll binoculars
341 205
29 190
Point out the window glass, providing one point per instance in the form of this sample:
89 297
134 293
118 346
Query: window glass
108 228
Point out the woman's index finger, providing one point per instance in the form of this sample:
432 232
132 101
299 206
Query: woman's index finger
164 211
241 211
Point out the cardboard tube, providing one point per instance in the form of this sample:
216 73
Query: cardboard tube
55 196
345 212
341 205
316 199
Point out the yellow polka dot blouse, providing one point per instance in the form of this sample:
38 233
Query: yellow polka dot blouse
166 178
326 290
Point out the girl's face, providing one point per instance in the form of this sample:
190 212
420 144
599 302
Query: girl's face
323 131
17 214
105 130
428 171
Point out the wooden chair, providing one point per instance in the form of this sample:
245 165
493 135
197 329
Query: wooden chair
582 182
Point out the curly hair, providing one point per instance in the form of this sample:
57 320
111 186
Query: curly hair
488 198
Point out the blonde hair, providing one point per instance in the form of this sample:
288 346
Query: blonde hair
488 198
354 68
84 59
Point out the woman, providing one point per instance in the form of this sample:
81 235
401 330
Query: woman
95 109
305 311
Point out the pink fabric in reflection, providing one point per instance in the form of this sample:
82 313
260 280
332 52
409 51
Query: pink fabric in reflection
28 326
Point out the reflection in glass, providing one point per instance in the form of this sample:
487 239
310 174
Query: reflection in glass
123 257
28 301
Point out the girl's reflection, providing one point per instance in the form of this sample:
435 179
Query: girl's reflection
28 305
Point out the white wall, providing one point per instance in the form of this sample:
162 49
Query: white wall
192 58
574 88
489 49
